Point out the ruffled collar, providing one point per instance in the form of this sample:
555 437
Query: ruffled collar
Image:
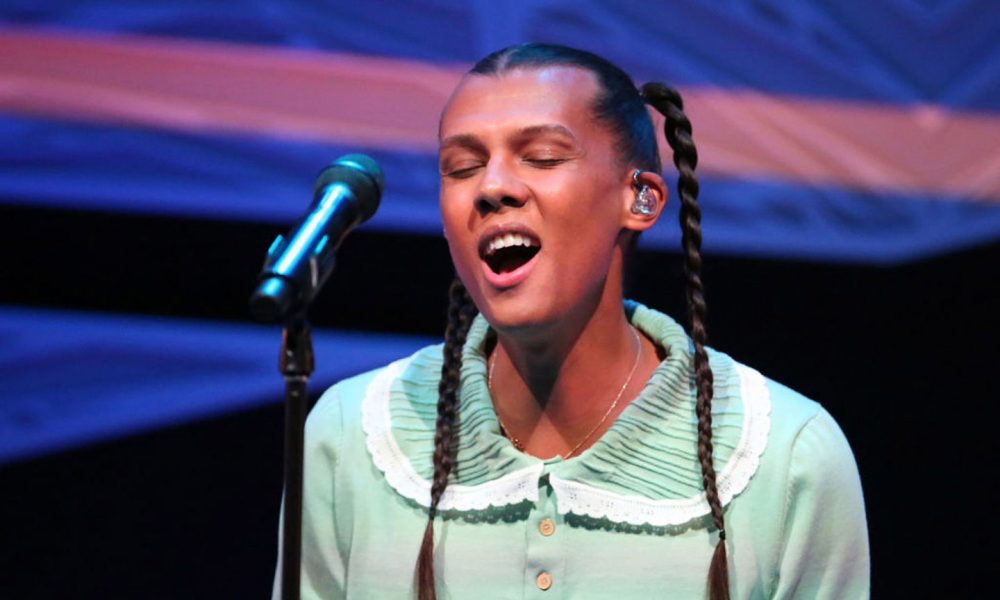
643 471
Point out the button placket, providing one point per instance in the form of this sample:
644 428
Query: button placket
545 556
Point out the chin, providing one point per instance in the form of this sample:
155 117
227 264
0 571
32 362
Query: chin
517 317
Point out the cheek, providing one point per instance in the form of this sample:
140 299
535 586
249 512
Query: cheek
590 221
466 263
455 205
461 257
451 220
586 245
461 246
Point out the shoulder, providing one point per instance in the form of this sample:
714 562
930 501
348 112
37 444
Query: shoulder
790 410
821 528
807 457
808 432
339 411
806 494
803 441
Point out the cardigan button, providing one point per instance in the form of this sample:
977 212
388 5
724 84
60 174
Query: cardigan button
543 581
546 527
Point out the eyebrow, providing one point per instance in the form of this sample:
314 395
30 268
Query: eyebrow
548 128
463 140
466 140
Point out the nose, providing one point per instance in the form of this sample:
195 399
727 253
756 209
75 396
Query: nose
500 186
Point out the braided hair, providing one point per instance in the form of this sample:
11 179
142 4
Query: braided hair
621 107
678 131
461 311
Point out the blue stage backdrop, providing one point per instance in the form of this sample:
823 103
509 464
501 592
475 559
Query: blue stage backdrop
855 131
828 130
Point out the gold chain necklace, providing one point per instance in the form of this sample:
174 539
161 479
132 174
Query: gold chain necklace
520 446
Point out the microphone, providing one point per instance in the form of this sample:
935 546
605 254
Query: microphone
346 194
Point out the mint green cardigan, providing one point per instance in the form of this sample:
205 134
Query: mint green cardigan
627 518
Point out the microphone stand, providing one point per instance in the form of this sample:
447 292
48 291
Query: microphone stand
346 193
296 363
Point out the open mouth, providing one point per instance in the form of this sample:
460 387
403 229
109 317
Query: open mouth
507 252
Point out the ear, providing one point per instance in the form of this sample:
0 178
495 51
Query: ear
655 188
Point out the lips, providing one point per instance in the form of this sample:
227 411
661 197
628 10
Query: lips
508 253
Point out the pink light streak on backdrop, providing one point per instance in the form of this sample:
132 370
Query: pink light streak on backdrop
394 104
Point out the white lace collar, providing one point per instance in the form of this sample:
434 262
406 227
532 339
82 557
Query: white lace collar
643 470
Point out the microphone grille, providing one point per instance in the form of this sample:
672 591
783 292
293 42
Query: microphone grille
367 165
362 174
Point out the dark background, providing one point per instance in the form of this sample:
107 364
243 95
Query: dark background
902 356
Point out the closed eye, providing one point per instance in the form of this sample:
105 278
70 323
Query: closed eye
545 163
460 172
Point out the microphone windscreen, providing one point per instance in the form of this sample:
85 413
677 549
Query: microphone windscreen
361 174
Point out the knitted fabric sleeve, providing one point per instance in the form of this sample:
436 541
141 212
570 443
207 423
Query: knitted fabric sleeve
825 534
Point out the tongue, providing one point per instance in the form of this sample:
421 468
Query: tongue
509 259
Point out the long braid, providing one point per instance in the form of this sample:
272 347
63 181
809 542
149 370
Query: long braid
678 132
461 311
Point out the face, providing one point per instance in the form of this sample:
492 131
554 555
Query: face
532 195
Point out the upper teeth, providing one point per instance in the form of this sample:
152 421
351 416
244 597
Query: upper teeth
508 240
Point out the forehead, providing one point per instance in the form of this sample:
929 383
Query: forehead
521 98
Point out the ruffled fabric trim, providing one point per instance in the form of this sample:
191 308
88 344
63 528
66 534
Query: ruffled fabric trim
587 500
643 470
513 488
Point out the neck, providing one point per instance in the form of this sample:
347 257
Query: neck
553 387
552 368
